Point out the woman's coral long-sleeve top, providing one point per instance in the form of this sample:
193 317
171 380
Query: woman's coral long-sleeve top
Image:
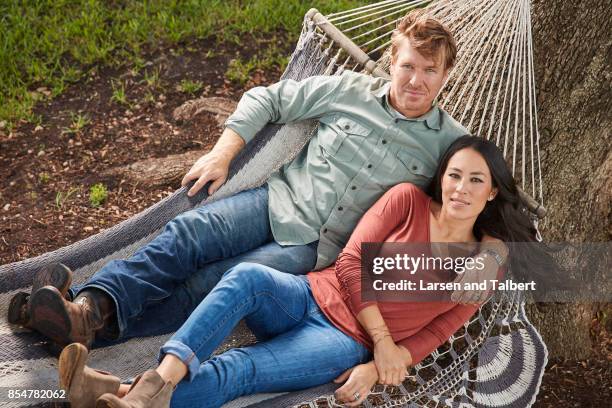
400 215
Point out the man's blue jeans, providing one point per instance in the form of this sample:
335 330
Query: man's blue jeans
298 346
157 288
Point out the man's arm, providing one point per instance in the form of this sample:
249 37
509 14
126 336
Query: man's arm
282 102
214 166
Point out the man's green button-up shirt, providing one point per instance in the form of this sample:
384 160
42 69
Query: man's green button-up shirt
362 147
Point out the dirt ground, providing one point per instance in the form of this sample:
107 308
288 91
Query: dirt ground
46 172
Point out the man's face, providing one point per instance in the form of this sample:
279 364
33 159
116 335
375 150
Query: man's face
415 80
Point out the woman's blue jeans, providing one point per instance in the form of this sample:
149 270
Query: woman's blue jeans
298 347
157 288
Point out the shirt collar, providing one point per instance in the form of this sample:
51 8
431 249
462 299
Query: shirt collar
431 118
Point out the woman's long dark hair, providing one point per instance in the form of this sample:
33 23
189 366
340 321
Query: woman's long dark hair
505 217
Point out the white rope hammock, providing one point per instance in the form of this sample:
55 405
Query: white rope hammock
491 91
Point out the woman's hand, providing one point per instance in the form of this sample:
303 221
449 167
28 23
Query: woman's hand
491 251
390 362
355 390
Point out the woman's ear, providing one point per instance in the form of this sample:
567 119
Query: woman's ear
493 194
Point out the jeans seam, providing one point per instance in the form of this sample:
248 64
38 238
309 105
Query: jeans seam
234 310
248 384
302 375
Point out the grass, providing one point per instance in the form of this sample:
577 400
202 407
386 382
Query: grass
119 95
78 122
62 196
239 71
190 87
53 43
151 78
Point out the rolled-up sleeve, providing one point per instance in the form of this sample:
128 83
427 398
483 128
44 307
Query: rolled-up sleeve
282 102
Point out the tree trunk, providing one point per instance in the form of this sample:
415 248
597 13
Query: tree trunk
169 170
157 172
572 61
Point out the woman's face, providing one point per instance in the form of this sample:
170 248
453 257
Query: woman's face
466 185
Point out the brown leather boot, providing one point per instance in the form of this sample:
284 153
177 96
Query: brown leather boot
69 322
56 275
83 385
148 391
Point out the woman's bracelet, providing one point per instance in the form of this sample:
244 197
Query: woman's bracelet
376 333
380 339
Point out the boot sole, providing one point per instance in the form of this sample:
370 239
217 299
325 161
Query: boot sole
16 307
48 315
106 402
57 275
71 360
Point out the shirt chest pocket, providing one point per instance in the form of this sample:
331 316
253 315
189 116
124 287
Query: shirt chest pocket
412 169
340 137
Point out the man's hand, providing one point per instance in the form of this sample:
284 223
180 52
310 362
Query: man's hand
389 361
473 276
213 167
355 390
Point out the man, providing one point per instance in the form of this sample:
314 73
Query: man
373 134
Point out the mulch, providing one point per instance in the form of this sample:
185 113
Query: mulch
46 172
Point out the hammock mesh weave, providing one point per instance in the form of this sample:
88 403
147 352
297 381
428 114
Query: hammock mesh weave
498 358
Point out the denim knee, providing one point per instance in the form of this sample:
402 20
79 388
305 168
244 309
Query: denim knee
249 275
184 224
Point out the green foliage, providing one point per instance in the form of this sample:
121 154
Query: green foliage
44 177
97 194
239 71
151 78
61 197
149 97
190 87
119 95
78 122
50 42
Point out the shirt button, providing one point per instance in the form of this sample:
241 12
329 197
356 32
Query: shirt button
347 127
414 167
369 166
396 120
353 188
384 142
324 230
340 208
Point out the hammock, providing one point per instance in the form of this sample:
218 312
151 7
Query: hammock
497 359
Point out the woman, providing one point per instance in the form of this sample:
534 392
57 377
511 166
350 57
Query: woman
314 329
